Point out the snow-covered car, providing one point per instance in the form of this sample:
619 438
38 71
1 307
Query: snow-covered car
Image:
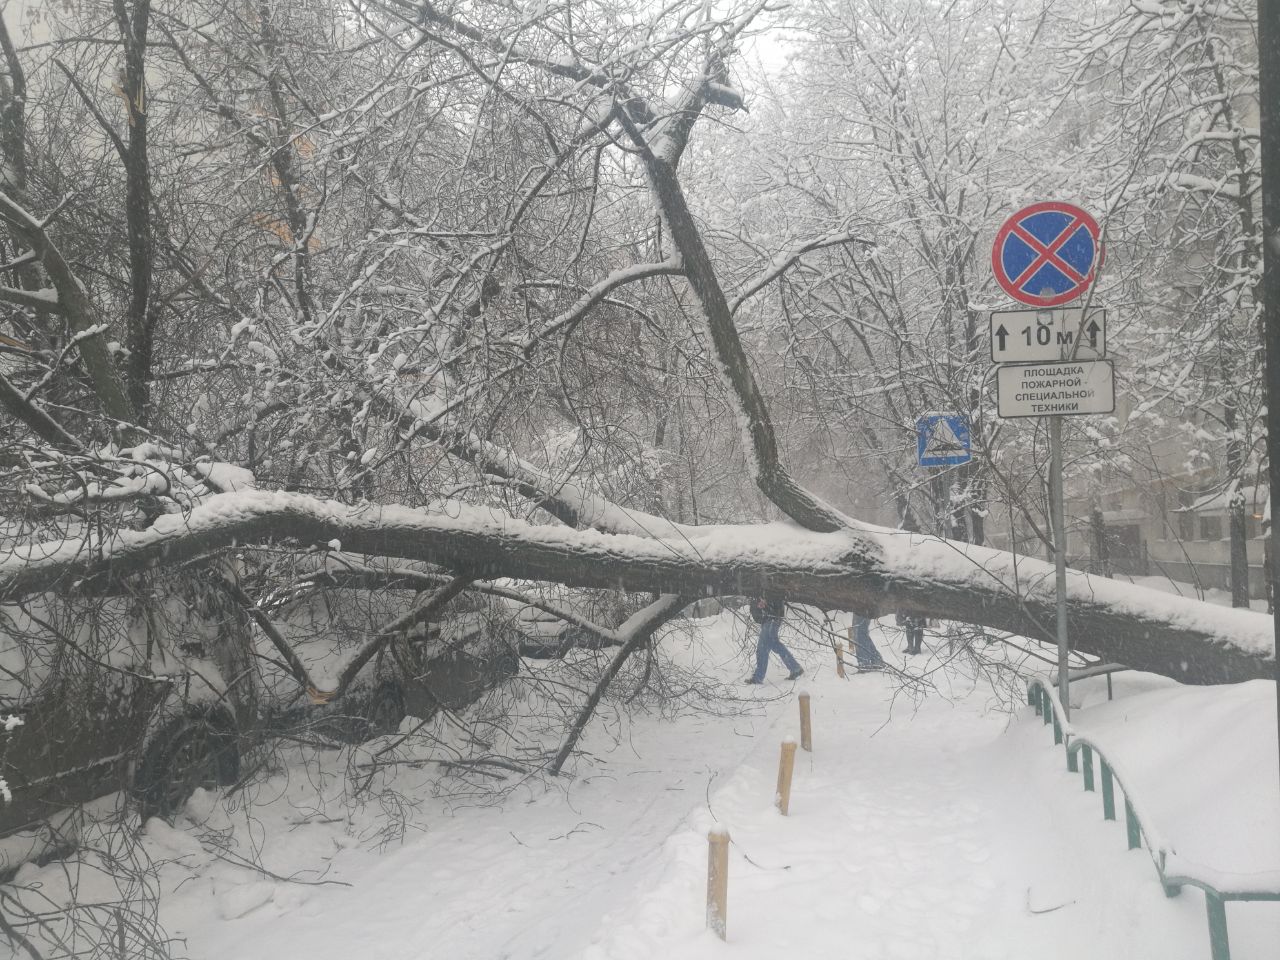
100 693
109 694
540 633
446 662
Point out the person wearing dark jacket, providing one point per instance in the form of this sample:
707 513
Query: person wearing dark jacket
769 613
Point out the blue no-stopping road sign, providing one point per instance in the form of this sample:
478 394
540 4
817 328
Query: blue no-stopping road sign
1047 254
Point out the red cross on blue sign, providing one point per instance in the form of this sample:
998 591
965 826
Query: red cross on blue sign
1047 254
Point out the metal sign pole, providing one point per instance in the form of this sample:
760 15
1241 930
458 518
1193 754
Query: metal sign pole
1269 126
1059 554
1056 250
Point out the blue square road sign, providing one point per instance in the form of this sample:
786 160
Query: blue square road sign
943 440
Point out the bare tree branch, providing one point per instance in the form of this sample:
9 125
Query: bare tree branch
77 308
638 631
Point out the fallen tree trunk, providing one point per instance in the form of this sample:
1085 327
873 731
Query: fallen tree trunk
863 569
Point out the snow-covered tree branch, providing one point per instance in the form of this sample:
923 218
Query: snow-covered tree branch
479 304
864 569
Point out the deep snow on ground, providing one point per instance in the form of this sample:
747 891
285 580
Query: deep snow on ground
1183 744
922 825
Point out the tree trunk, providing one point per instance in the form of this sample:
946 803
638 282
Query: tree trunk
1239 551
1235 505
864 570
1101 555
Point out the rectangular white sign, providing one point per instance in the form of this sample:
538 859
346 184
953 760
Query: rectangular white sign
1055 389
1020 336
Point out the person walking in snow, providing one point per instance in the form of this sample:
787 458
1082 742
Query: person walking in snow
769 613
863 648
913 627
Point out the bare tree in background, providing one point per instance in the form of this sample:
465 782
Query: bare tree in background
1177 150
427 282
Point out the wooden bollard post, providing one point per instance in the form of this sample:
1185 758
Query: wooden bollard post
839 659
786 764
718 881
806 727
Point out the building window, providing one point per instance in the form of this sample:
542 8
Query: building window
1210 528
1186 526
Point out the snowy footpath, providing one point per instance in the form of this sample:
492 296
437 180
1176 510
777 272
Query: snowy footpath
943 826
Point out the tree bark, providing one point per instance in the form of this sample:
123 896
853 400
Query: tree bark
75 305
139 322
1239 551
868 571
1101 553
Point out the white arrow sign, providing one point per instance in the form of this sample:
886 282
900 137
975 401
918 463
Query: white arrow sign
1056 389
1020 336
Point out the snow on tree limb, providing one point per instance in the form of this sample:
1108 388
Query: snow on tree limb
783 263
760 441
343 571
380 292
637 631
869 570
74 304
34 416
43 299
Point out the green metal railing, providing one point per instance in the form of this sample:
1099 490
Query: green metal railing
1174 873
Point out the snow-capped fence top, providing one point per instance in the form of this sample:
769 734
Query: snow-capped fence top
1175 872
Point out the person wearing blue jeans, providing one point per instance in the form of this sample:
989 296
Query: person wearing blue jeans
769 613
868 656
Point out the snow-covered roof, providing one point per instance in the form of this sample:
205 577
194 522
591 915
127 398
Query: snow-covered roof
1125 515
1217 502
